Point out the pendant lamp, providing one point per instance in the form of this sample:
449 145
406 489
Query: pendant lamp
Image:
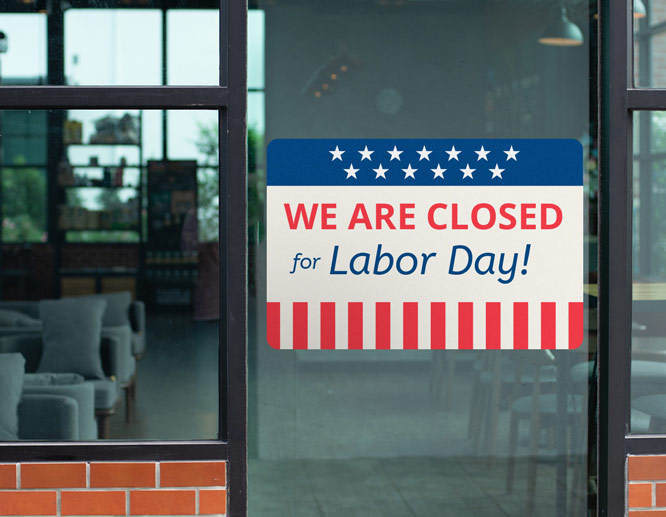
562 32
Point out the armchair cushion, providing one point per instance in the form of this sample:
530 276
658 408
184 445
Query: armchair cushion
117 307
12 367
71 335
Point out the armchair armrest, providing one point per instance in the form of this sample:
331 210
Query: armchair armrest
48 417
29 345
117 360
137 314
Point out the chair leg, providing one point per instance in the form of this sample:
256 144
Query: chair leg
513 446
103 417
450 378
535 432
130 398
493 409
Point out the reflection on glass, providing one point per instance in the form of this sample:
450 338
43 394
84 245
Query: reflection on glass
111 306
649 44
648 355
422 433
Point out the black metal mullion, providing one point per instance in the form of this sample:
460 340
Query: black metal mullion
615 254
646 444
233 243
111 97
646 99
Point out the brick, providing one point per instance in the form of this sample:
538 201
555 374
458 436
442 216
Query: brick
53 475
108 475
162 502
200 473
648 513
642 468
8 476
28 503
212 502
640 495
660 494
92 503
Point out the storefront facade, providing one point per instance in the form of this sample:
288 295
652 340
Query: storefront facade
144 127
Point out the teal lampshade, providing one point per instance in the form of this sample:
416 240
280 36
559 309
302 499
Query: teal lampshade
639 9
562 32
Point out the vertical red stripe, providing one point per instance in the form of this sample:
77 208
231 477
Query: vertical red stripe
355 325
410 325
327 325
548 329
300 325
493 325
273 324
438 325
520 337
576 333
382 325
465 325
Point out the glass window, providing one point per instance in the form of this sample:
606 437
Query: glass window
411 432
648 344
113 46
193 40
131 210
24 61
649 43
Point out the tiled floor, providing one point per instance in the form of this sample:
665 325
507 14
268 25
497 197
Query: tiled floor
340 438
409 487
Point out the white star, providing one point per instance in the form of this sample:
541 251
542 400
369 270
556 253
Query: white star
511 154
409 172
467 172
337 154
482 154
497 172
395 154
439 172
453 154
351 172
381 171
366 154
424 154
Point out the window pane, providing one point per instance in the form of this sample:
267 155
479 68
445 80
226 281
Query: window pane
648 357
138 232
420 432
97 43
193 43
649 43
24 62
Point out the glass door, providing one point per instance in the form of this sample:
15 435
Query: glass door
421 432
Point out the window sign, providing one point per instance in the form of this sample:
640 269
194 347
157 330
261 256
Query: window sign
425 244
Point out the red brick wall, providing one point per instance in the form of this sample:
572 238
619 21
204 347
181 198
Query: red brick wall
106 488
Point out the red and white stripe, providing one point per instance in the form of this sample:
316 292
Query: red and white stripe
435 325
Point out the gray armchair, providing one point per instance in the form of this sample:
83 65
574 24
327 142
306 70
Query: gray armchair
117 362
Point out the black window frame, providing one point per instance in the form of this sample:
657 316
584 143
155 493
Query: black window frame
229 98
619 100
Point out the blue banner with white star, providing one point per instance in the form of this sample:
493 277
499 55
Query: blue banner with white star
425 162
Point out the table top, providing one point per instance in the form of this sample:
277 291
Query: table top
642 291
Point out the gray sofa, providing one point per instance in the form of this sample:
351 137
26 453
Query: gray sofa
137 318
117 363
